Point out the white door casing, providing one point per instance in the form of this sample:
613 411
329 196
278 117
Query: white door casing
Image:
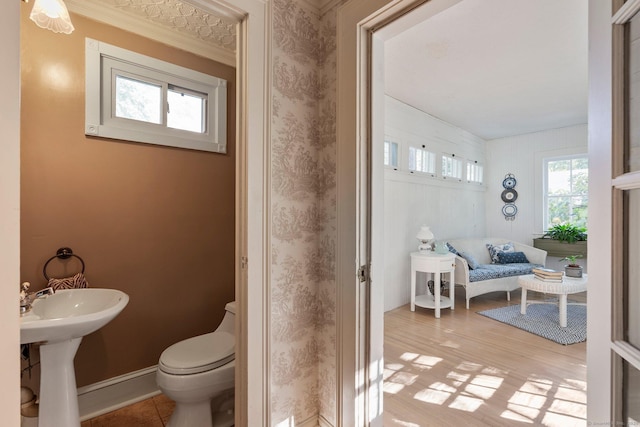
355 19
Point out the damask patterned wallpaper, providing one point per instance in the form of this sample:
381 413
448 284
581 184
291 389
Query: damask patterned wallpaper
303 196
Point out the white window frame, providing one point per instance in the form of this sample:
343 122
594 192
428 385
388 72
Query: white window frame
391 141
545 186
430 160
475 172
104 61
455 159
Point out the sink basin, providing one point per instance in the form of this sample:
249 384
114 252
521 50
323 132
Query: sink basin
70 313
58 322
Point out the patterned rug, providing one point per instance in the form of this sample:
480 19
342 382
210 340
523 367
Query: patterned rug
543 320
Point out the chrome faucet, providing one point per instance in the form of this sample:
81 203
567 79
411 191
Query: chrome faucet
27 299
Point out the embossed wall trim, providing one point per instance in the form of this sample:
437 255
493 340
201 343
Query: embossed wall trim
207 47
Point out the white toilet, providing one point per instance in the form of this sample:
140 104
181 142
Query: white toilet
198 374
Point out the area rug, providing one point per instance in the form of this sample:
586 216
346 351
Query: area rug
543 320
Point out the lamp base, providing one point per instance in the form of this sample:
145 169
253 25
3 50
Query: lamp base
424 247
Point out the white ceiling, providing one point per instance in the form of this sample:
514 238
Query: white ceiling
495 68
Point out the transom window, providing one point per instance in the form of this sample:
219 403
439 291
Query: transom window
421 160
137 98
475 172
566 190
391 154
451 166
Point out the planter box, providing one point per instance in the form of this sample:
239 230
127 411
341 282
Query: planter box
561 249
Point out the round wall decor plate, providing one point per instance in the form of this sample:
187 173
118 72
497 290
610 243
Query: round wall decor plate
509 210
509 181
509 195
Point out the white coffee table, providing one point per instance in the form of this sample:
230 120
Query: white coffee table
569 285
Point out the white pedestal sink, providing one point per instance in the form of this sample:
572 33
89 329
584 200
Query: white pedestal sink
59 322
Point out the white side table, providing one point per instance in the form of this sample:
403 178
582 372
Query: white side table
568 286
431 262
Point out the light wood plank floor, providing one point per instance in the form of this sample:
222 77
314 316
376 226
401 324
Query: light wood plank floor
466 369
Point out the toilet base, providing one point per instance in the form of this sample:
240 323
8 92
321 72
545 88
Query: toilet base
215 413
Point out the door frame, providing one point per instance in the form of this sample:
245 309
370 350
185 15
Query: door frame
358 346
252 239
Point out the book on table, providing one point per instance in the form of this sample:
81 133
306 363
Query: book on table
548 279
547 272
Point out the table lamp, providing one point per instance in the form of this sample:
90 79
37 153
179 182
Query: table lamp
424 235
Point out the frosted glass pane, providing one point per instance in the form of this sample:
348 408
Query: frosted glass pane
138 100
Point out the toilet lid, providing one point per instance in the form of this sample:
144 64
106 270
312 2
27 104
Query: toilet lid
198 354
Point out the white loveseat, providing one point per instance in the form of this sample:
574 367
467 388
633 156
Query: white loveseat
488 276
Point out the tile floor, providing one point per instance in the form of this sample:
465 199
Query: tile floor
153 412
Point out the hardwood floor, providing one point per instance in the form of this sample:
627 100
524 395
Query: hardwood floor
466 369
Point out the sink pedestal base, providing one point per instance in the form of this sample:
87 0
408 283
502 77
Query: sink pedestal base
58 391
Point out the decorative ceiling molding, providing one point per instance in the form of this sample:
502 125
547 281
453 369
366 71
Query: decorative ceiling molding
175 23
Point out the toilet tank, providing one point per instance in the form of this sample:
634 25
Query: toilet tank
228 323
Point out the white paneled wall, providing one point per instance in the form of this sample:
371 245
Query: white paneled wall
451 209
523 155
460 209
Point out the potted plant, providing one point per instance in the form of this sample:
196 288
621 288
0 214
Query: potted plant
567 233
563 240
572 269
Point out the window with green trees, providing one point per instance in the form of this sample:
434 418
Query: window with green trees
566 190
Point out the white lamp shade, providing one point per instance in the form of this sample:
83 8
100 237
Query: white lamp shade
425 234
52 15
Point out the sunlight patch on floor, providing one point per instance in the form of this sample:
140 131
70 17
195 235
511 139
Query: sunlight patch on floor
388 372
404 423
514 416
409 356
458 378
571 394
436 397
426 362
480 391
557 420
392 388
522 411
466 403
487 381
537 386
529 400
568 408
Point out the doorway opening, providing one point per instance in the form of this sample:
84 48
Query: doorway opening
424 128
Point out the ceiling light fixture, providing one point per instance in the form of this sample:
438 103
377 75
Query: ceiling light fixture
52 15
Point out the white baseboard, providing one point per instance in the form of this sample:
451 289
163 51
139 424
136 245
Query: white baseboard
118 392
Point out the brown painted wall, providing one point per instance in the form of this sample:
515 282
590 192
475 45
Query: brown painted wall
153 221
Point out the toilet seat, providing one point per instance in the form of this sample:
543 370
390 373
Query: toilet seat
198 354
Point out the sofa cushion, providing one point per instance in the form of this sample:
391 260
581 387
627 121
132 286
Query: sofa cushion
512 257
496 271
494 250
471 261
